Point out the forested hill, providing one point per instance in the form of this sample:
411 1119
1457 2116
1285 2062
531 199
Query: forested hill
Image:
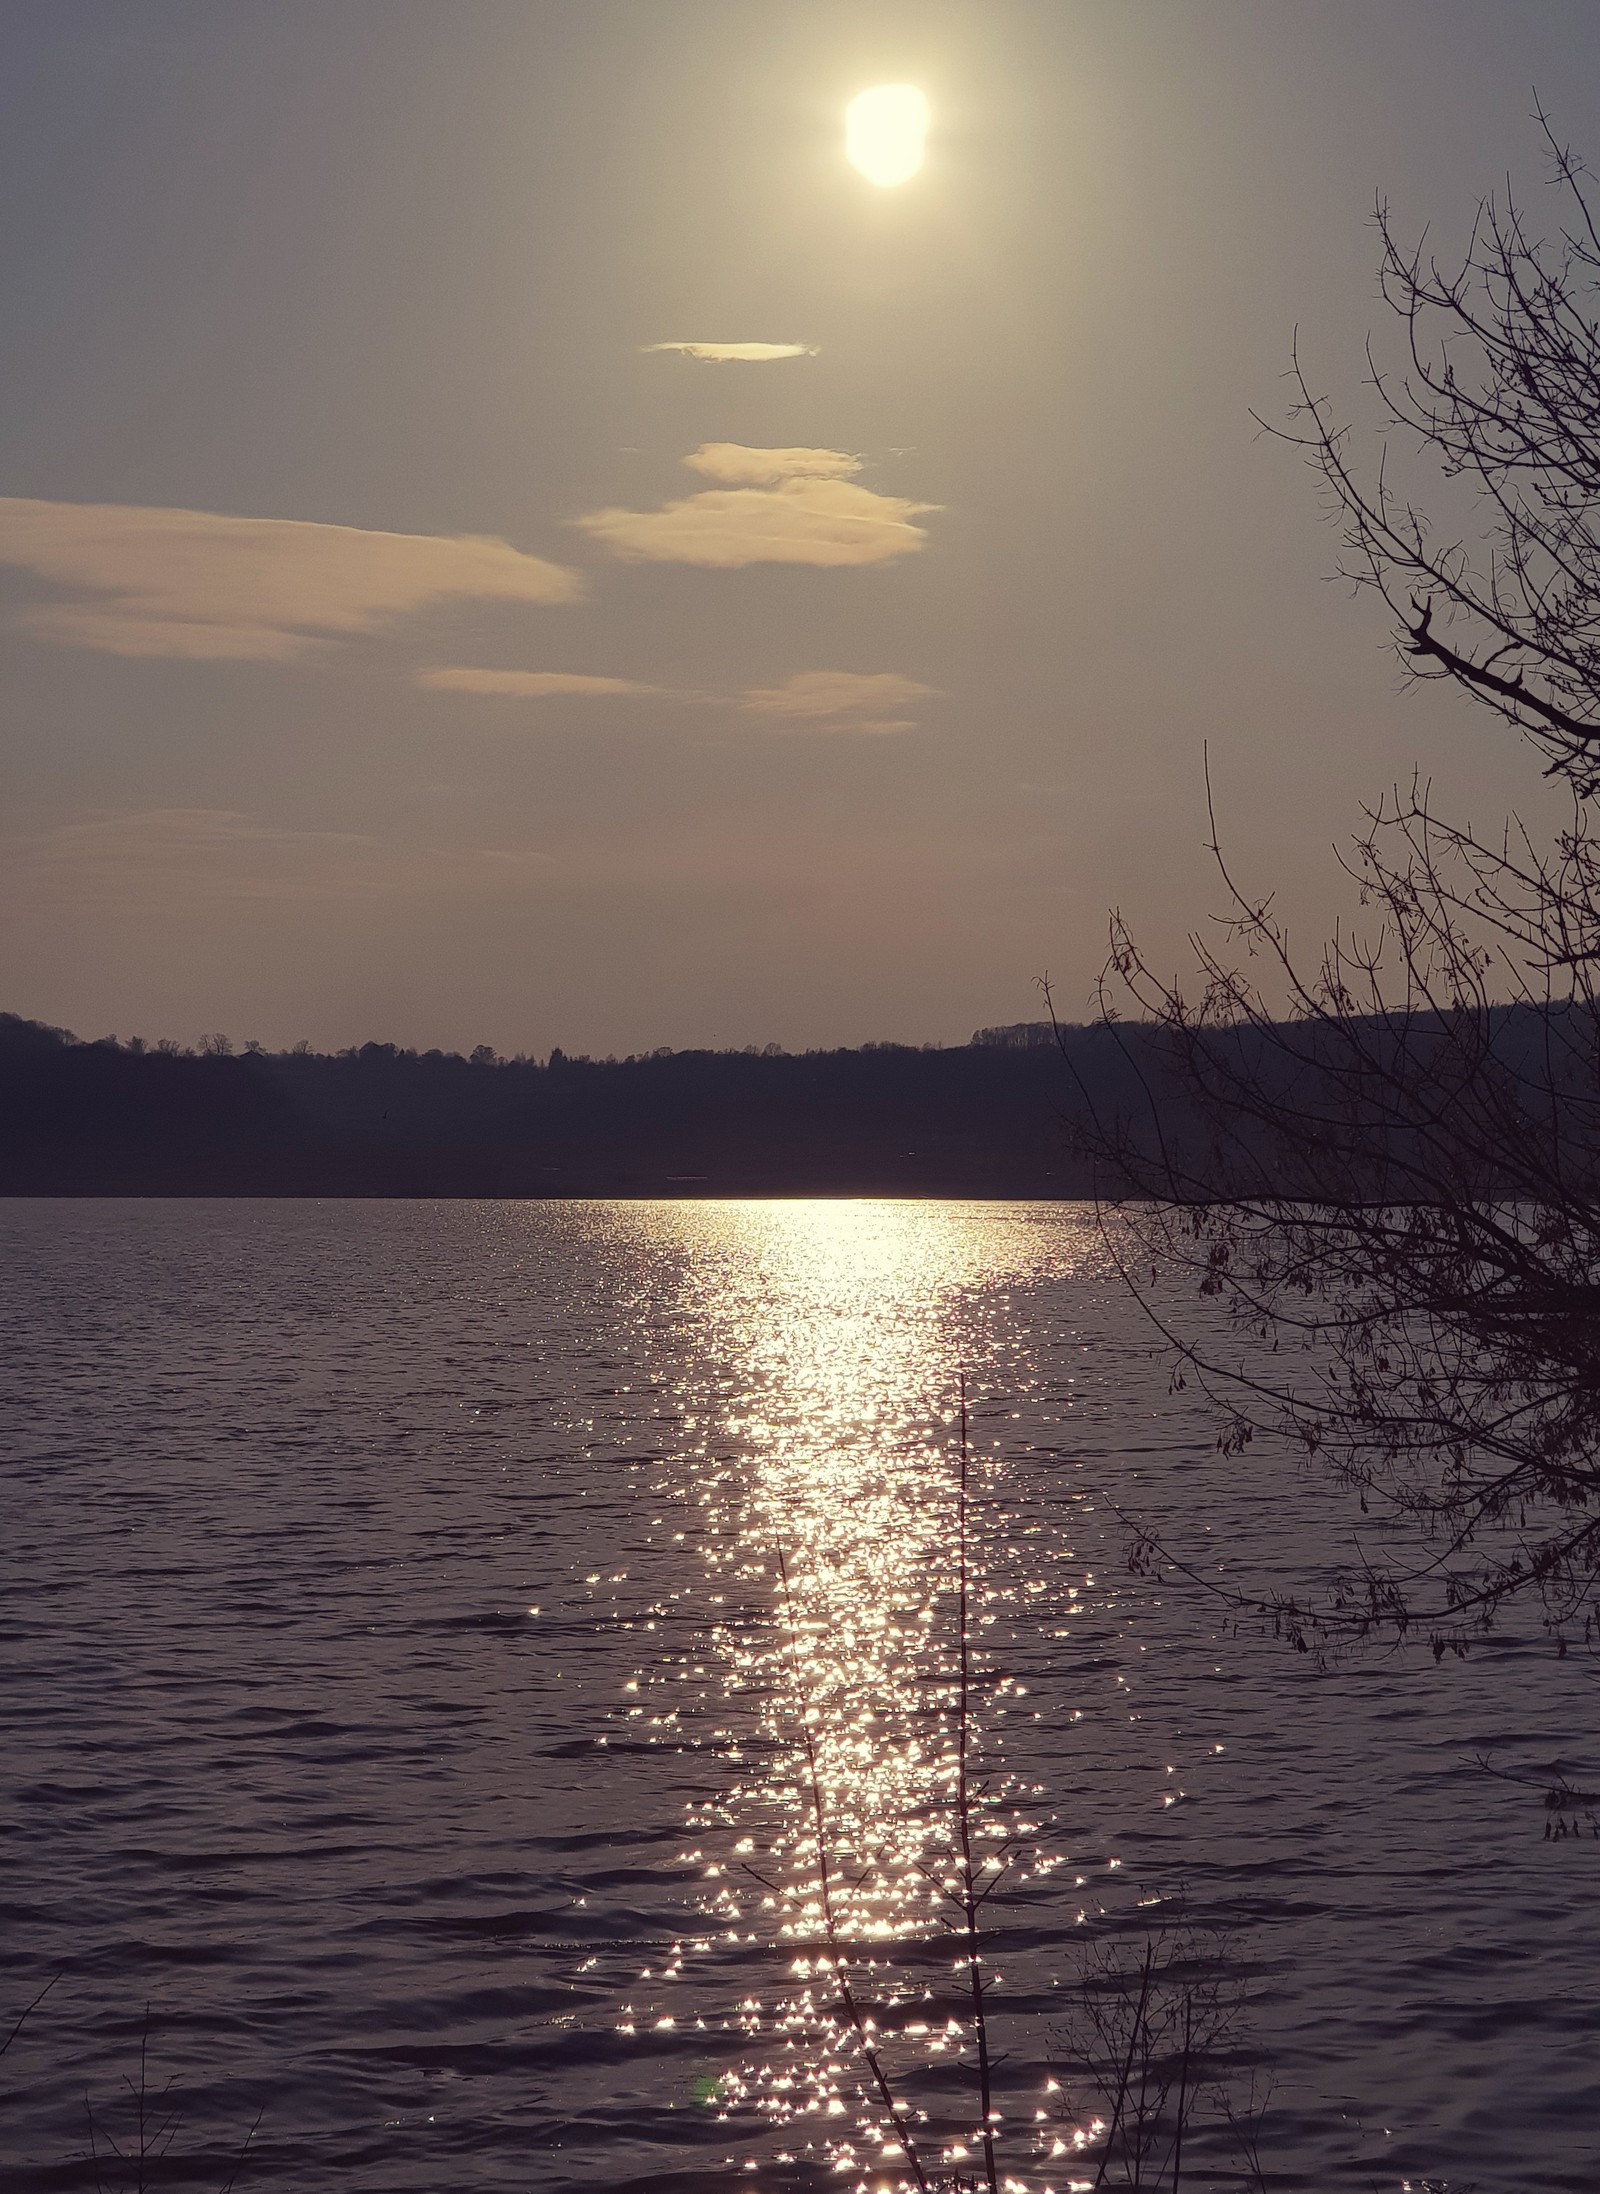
103 1118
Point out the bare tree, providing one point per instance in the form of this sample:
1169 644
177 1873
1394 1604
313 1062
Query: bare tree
1500 392
1386 1165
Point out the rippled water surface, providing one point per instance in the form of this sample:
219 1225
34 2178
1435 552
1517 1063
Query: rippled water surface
439 1641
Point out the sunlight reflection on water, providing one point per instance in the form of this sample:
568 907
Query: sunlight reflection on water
832 1555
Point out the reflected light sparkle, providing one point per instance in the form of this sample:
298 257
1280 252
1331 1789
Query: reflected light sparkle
824 1473
886 133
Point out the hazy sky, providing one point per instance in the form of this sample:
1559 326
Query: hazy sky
403 638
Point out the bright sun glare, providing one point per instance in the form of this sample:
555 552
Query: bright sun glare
885 133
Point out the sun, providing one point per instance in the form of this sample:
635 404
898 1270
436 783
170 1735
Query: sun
886 133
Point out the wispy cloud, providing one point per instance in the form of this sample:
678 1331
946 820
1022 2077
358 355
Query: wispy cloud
809 512
187 856
209 587
526 685
812 700
743 354
841 700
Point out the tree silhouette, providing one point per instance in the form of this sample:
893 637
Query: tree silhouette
1385 1166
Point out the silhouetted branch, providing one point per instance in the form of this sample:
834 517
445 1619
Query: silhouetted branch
26 2013
1500 392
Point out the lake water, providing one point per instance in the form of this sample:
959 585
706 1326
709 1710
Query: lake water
428 1630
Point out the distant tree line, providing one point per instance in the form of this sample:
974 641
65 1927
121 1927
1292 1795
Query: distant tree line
110 1117
1002 1116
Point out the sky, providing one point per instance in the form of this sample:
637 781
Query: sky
416 628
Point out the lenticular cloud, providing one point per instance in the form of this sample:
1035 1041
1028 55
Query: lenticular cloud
741 354
779 506
528 685
871 701
209 587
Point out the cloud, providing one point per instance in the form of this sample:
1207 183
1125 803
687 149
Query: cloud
176 852
749 354
817 700
735 465
191 856
530 685
809 514
840 700
206 587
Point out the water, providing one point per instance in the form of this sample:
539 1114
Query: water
411 1618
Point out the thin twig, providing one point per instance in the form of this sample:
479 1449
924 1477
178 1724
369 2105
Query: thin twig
841 1976
970 1899
27 2012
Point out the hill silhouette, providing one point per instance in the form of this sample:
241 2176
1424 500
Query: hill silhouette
127 1119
